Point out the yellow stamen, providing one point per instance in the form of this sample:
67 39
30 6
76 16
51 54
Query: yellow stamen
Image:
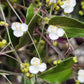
68 1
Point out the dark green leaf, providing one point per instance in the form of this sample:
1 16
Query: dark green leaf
59 73
72 27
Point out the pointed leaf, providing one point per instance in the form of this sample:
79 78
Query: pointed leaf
72 27
59 73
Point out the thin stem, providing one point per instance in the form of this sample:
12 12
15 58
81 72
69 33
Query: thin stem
7 79
5 46
34 44
33 17
16 53
9 34
9 72
66 51
5 22
14 11
28 25
70 43
9 56
41 32
58 52
9 51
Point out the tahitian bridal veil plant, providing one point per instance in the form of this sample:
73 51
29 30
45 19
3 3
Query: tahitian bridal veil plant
19 28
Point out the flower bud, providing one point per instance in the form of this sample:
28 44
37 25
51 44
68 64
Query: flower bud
81 13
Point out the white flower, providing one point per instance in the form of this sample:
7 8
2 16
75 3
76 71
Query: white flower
19 28
52 1
55 32
68 5
81 75
37 66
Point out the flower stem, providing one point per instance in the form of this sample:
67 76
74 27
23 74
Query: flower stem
34 44
7 79
5 22
58 52
9 34
14 11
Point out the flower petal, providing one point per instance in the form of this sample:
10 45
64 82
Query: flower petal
73 3
81 72
81 79
35 61
18 33
42 67
68 9
52 28
64 4
53 36
15 25
60 32
33 69
24 27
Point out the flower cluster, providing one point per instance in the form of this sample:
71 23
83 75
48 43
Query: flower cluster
2 23
68 5
19 28
37 66
81 76
24 67
55 32
3 43
81 12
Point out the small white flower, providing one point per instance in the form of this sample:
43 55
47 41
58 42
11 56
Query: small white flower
37 66
52 1
81 75
68 5
55 32
19 28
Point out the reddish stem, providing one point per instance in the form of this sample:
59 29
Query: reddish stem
56 49
8 56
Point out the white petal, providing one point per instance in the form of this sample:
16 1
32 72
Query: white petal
52 28
35 61
64 4
73 3
33 69
24 27
53 36
15 25
18 33
42 67
81 79
49 29
68 9
60 32
81 72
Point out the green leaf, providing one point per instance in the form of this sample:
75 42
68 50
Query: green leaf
25 38
29 15
59 73
72 27
29 81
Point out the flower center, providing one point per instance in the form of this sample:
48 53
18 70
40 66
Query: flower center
68 1
35 62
